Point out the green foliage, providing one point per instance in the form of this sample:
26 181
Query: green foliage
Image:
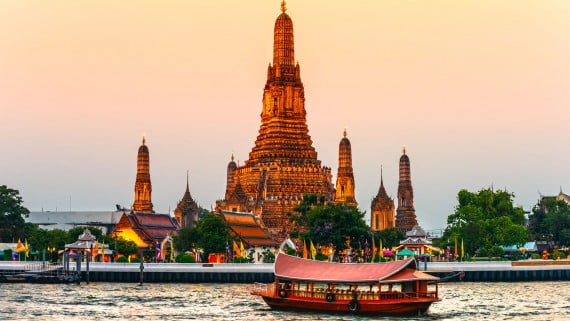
390 237
7 255
535 256
210 234
485 219
321 257
268 256
241 260
12 214
328 223
550 221
291 252
135 260
185 240
496 251
184 258
123 259
378 258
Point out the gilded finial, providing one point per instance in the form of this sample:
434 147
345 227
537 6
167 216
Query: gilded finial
344 133
283 6
232 157
144 139
404 149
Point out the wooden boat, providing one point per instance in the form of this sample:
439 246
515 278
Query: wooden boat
367 288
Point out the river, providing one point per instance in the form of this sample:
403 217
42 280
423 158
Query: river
123 301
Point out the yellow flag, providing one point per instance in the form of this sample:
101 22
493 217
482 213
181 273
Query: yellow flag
242 249
462 250
455 250
237 252
95 250
313 251
305 252
381 250
20 246
171 251
373 250
27 248
103 251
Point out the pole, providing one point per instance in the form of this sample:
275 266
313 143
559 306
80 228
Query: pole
78 258
87 259
141 267
44 258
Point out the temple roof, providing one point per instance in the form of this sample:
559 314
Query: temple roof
248 229
150 227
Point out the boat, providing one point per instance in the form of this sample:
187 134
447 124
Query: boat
360 288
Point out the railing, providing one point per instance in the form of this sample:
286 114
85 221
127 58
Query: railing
263 288
361 295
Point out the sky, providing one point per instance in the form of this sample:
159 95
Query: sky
477 90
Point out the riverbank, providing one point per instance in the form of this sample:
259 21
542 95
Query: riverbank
503 271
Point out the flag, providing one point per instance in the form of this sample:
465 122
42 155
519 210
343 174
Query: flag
313 251
95 251
171 250
373 250
228 252
103 251
242 249
366 250
455 249
237 252
27 248
305 252
158 251
381 250
462 249
20 247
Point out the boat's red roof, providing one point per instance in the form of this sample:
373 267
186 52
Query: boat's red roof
409 275
294 268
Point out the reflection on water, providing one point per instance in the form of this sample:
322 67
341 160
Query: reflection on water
103 301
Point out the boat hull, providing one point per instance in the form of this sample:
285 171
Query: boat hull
400 307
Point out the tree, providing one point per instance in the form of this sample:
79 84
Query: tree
550 221
485 219
12 214
390 237
185 239
212 234
327 223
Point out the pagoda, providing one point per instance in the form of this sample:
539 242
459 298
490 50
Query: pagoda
143 186
283 164
405 213
187 211
345 175
382 209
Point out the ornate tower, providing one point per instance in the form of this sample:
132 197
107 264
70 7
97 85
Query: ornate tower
143 187
230 176
187 210
405 214
382 209
283 164
345 176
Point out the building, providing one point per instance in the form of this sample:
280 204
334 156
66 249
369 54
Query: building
104 220
405 213
283 164
345 176
143 186
382 209
417 242
187 210
146 229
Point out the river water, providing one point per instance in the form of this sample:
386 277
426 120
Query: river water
122 301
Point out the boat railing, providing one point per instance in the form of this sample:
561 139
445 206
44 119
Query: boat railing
263 288
362 295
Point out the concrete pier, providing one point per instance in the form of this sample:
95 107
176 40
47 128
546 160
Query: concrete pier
506 271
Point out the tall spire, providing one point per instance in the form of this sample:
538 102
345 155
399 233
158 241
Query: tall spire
405 213
283 42
283 6
187 182
345 176
382 208
143 186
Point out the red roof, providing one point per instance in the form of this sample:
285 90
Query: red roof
410 275
294 268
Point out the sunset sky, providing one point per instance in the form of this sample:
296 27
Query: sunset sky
478 92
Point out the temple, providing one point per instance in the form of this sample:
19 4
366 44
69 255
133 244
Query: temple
345 176
143 187
382 209
405 214
283 164
187 210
